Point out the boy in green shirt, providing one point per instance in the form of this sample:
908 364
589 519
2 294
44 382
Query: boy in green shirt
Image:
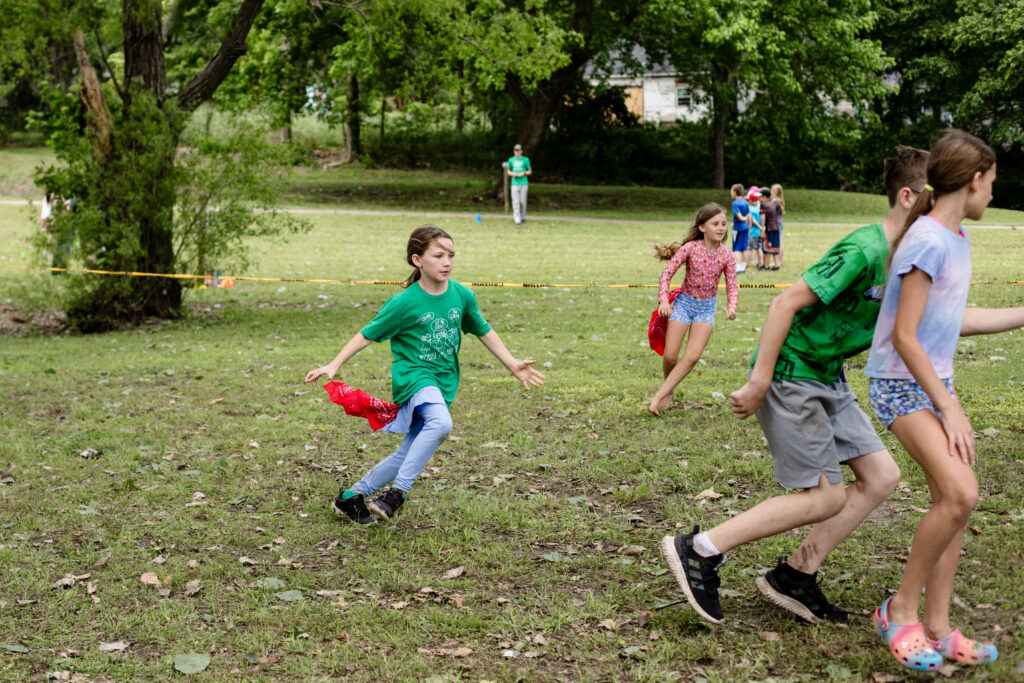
810 417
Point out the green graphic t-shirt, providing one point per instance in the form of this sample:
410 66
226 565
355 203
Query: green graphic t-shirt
848 281
426 333
519 165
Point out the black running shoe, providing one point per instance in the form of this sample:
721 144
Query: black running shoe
385 506
696 575
800 593
354 509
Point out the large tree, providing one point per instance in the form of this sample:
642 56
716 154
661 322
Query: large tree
124 181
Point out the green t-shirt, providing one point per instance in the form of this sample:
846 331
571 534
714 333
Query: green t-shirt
848 281
519 165
426 333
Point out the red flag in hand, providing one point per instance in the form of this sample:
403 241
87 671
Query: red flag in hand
659 326
359 403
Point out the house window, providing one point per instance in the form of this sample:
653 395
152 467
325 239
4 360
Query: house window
683 98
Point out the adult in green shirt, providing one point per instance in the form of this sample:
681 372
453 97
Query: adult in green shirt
518 170
810 417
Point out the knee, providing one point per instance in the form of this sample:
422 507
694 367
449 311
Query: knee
960 502
691 357
668 362
883 480
439 424
828 501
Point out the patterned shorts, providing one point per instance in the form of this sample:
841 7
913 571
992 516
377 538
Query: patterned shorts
892 398
686 310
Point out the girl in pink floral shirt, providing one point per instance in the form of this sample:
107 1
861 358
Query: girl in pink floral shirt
694 304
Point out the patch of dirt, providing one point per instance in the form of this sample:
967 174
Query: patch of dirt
19 323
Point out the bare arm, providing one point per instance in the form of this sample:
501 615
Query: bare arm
913 298
991 320
748 398
519 368
354 346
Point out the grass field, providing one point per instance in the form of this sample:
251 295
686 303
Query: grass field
191 450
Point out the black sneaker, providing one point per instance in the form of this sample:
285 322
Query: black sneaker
385 506
354 508
696 575
799 593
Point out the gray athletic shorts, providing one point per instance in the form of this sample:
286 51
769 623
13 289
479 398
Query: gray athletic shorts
811 428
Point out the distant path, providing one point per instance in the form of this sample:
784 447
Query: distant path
508 216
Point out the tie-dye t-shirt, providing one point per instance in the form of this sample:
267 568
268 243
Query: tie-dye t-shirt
945 256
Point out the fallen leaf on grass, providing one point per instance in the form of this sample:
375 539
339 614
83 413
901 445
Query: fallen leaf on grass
159 559
401 604
708 494
90 453
632 550
216 400
192 587
274 583
289 596
886 678
115 646
150 579
457 600
247 560
103 560
454 573
65 582
632 652
509 654
191 663
14 647
770 636
609 624
556 556
948 670
539 639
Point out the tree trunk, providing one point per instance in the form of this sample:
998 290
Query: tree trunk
460 104
354 104
721 102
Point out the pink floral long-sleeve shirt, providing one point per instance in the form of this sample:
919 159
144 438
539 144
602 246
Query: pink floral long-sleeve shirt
703 269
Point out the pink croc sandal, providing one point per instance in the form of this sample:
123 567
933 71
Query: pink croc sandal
907 642
960 648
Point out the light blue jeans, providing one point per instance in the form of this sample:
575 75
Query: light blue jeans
431 425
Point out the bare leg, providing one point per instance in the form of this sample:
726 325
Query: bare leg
673 342
782 513
700 333
877 475
936 547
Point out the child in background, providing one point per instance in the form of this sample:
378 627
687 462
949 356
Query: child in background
705 258
756 226
779 201
770 244
911 389
740 227
425 323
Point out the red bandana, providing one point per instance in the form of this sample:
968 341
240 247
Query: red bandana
658 326
359 403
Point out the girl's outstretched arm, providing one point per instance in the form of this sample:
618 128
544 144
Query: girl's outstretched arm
991 320
519 368
913 298
783 308
354 346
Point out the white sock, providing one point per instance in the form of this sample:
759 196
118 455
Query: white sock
703 545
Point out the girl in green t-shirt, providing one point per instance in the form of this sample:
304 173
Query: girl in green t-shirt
424 323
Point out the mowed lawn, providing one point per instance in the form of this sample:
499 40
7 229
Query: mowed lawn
165 489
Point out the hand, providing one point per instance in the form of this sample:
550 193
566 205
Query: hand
658 403
730 314
960 433
664 309
527 375
313 375
747 399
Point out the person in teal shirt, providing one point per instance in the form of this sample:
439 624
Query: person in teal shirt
518 170
424 323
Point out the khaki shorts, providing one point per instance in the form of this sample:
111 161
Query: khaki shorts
811 428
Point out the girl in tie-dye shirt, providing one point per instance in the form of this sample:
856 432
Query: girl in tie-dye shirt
692 309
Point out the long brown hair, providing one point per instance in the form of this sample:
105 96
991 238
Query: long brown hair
419 241
952 163
704 214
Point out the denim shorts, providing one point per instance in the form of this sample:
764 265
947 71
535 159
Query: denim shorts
686 310
892 398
